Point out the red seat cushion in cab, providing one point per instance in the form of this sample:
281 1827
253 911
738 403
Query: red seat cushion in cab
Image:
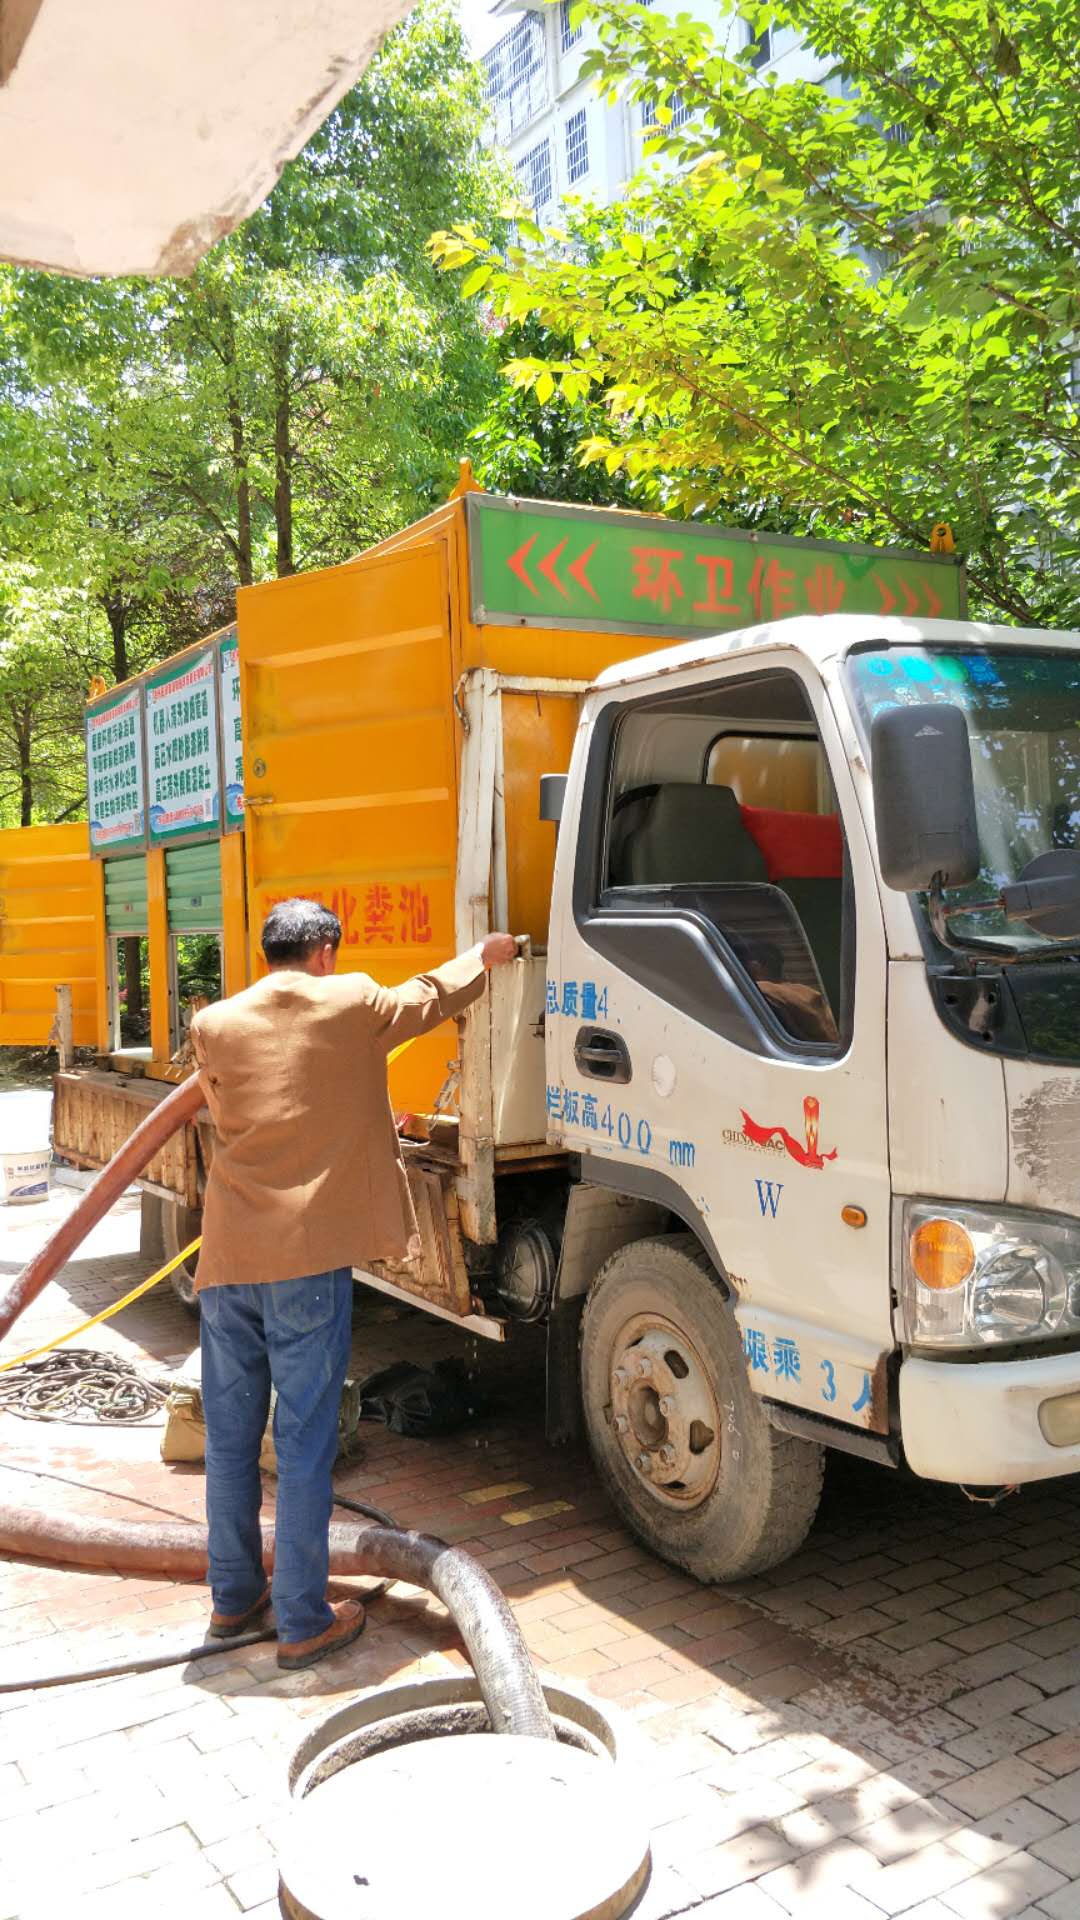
797 846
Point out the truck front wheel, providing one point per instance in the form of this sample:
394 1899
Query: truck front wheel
681 1442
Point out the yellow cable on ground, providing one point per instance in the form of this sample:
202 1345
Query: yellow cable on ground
144 1286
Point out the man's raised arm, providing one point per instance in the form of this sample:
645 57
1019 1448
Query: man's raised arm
429 998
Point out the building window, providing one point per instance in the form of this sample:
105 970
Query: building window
534 172
516 86
761 47
577 146
680 113
569 31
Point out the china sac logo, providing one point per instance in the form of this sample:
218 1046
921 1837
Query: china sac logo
806 1153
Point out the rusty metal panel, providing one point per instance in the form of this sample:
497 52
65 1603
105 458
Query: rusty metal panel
439 1276
95 1113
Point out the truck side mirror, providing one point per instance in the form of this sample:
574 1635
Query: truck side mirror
924 797
552 795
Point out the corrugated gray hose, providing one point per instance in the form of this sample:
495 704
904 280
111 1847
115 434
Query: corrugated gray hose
509 1686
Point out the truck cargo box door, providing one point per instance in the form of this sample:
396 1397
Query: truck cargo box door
349 764
50 932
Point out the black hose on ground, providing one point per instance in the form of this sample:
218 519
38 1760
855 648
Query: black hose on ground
149 1664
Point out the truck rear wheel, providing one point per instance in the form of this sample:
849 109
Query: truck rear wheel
179 1226
681 1442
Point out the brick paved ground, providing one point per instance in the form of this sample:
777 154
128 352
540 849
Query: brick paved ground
889 1724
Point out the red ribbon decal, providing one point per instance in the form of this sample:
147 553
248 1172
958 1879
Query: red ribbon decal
805 1154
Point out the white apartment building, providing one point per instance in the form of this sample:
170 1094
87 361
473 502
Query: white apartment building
558 135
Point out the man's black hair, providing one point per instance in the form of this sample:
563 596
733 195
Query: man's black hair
295 929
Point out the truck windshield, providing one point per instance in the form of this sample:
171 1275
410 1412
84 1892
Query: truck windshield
1023 713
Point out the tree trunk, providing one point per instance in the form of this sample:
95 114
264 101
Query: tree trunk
227 349
24 738
131 948
283 453
244 564
116 614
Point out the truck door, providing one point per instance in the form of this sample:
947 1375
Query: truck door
50 933
716 1010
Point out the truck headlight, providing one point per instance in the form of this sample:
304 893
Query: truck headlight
985 1276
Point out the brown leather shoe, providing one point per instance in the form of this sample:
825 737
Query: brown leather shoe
346 1626
224 1625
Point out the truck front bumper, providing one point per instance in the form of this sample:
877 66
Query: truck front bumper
991 1423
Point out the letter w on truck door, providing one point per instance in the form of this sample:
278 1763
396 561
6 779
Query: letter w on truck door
715 1011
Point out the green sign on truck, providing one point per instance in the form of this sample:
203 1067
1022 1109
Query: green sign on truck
532 564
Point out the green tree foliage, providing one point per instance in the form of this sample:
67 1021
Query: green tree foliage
857 304
337 373
526 448
309 389
40 699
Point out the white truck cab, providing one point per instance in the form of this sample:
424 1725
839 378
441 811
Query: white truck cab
791 1013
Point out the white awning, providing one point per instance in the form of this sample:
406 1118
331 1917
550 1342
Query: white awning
135 133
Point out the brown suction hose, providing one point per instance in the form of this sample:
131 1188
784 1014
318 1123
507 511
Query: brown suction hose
170 1547
179 1106
508 1681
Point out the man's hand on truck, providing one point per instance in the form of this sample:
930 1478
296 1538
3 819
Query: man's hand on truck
498 949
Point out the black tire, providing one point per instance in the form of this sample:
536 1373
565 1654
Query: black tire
724 1498
179 1226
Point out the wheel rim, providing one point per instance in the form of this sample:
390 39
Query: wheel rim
664 1412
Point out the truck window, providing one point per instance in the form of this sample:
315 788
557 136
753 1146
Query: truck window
720 807
197 967
127 953
785 771
129 965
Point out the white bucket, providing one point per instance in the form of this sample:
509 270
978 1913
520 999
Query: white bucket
24 1176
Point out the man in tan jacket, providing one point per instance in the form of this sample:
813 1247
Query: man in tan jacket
307 1182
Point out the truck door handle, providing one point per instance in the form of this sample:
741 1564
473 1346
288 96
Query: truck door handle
600 1055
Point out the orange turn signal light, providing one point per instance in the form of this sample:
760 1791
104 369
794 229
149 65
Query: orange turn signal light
942 1254
853 1216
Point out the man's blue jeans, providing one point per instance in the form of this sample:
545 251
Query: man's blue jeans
294 1334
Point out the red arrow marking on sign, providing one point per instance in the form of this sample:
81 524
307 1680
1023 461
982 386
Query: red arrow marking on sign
933 604
546 566
577 571
888 598
516 563
911 598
